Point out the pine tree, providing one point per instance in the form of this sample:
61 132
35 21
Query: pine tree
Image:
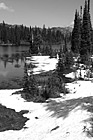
58 37
33 88
44 34
69 59
65 44
90 24
53 36
89 6
54 86
49 35
17 35
25 79
85 47
30 85
4 33
61 65
76 34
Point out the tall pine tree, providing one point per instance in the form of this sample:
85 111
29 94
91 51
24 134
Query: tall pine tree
90 24
76 34
85 47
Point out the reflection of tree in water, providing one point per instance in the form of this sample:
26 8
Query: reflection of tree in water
6 58
22 59
17 57
5 63
17 66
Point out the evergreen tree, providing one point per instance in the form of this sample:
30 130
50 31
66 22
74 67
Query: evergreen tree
32 88
50 51
12 36
54 86
58 37
85 48
22 32
53 37
61 65
44 34
25 79
76 34
88 6
4 33
30 84
91 50
17 35
36 44
49 35
69 59
65 44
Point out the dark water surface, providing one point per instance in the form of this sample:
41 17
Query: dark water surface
12 66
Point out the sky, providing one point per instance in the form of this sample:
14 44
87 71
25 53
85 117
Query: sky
52 13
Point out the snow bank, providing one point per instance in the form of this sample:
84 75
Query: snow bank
45 127
43 63
42 124
79 73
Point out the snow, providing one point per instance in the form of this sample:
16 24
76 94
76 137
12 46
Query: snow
58 119
43 64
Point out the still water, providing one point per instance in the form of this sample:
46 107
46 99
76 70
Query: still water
12 66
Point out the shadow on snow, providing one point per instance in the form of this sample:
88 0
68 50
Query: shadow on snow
64 108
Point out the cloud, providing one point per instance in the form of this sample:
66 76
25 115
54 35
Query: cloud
4 7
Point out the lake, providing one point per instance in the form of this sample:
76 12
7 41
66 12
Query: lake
12 66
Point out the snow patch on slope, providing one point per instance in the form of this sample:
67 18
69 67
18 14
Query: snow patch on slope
42 125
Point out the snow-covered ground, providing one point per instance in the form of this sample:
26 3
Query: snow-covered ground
42 63
58 119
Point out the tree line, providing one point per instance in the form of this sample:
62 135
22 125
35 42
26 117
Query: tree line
19 34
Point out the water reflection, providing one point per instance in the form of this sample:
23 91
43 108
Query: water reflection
14 58
12 62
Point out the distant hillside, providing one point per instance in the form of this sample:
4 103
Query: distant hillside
64 30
